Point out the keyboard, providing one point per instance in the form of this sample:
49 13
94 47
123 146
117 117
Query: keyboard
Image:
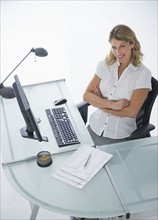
62 127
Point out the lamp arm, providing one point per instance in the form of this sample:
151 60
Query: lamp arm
32 50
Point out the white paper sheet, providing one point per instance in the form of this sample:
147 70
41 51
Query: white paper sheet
82 166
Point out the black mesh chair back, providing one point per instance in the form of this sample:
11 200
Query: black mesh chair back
143 115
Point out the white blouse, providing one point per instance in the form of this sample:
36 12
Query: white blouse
113 88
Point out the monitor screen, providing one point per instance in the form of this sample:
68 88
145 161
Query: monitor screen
31 130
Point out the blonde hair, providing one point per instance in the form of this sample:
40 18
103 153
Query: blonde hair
124 33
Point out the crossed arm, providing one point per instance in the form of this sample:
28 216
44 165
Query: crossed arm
122 107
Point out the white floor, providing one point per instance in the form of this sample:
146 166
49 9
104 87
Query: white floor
15 207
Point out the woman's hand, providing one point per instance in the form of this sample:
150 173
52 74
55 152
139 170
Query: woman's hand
120 104
115 105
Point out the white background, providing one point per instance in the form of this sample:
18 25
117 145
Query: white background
75 34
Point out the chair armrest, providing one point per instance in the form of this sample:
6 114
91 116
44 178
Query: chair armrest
83 109
141 132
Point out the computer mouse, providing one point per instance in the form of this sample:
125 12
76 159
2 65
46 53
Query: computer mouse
60 101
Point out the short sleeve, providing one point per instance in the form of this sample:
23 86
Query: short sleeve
144 80
100 69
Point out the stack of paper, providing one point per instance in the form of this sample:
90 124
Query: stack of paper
81 166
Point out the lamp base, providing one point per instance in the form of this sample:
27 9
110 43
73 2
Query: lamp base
6 92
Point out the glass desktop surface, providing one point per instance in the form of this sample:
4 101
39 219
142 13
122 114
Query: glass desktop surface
96 199
40 96
134 167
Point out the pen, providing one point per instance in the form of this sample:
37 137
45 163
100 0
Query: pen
86 161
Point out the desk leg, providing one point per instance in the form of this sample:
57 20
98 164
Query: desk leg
34 211
109 218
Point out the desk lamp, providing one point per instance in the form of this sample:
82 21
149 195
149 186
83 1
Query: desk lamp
8 92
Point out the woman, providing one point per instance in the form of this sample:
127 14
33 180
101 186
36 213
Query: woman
118 89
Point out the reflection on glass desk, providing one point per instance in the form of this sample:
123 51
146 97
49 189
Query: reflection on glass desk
134 168
127 184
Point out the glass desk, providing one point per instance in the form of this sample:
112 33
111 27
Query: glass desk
97 199
134 170
40 96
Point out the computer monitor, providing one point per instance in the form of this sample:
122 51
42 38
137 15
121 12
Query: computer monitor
31 130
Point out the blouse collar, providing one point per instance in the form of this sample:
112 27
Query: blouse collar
129 66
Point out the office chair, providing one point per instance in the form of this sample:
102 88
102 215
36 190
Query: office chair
143 116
